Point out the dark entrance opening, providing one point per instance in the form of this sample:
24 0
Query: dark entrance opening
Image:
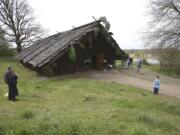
100 62
97 61
93 61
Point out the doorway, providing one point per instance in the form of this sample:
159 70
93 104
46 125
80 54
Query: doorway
98 61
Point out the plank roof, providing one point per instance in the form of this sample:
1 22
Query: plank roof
44 50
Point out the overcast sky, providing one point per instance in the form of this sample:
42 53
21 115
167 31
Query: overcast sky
127 17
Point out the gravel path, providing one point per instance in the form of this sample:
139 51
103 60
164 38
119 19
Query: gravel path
169 86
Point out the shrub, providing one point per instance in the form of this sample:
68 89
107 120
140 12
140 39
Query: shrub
170 61
48 70
6 52
72 54
145 62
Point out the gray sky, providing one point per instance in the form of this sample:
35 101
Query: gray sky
127 17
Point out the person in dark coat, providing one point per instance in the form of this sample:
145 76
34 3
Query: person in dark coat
8 78
14 79
131 62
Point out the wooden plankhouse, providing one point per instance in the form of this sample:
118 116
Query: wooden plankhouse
83 48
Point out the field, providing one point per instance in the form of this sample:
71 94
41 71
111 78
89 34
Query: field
79 106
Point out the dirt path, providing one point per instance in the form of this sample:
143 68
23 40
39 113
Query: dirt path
169 86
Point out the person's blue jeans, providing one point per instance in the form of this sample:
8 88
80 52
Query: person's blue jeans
156 91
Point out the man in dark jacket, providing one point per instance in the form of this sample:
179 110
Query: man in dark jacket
8 78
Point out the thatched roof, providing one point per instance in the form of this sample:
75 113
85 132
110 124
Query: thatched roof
45 50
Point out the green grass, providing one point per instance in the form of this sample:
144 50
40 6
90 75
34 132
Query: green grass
82 106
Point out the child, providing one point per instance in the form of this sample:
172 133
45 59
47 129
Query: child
156 84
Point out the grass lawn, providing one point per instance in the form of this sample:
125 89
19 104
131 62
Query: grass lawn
83 107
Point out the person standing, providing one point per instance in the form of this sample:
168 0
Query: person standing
156 85
14 83
131 62
139 65
8 78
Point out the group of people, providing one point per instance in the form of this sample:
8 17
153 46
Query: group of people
156 82
10 78
139 64
130 62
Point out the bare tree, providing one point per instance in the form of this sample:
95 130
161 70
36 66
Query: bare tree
3 41
165 24
164 33
18 23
